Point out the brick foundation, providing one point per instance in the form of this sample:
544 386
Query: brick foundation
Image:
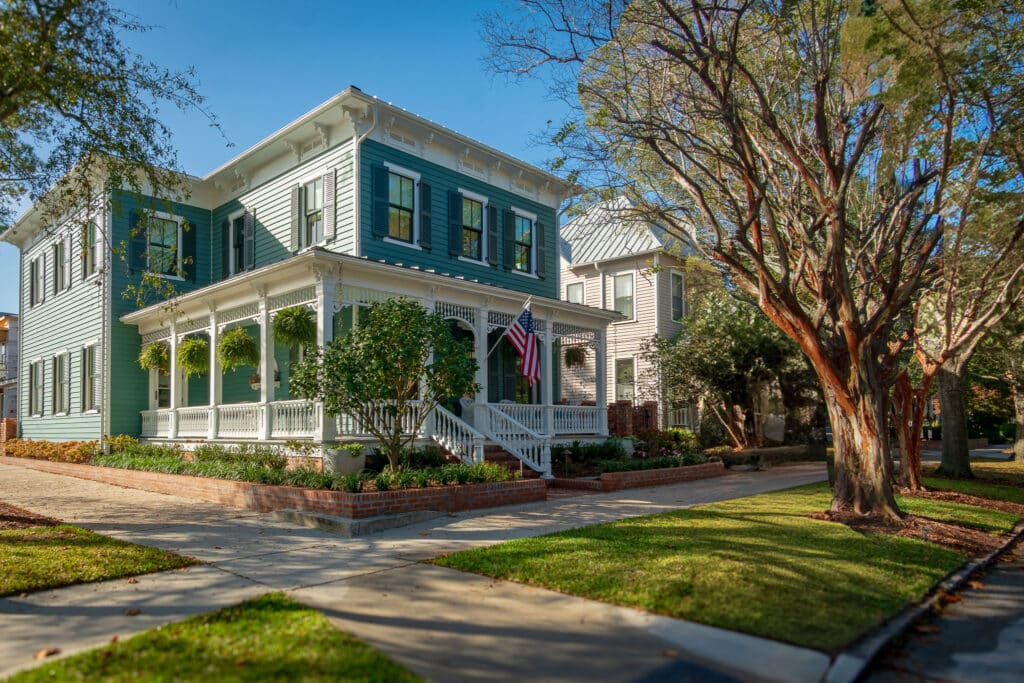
616 481
265 498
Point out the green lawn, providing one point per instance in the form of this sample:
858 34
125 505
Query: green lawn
757 565
1003 480
37 558
270 638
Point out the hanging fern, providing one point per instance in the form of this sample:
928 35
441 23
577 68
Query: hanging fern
194 356
295 326
155 356
237 348
575 356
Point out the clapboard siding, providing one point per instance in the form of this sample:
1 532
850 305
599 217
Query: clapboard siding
63 322
441 180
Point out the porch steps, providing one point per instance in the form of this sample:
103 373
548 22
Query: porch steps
499 456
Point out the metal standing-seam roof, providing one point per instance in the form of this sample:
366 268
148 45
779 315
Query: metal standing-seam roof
606 231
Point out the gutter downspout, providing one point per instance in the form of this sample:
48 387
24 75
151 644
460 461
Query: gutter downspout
357 229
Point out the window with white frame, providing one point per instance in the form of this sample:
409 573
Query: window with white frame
625 379
61 383
237 229
623 290
678 295
89 255
60 279
163 246
37 280
35 388
313 212
522 244
401 207
90 378
472 228
574 293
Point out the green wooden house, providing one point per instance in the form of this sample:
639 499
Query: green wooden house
354 202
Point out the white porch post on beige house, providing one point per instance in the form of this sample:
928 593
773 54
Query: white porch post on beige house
326 296
172 424
601 380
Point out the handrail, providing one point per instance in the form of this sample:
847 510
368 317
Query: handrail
530 447
459 438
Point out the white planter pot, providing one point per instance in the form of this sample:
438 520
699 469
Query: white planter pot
338 461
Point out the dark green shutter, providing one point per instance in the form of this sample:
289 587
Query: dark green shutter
297 216
538 236
249 240
225 248
137 242
492 235
508 227
379 215
426 216
454 223
188 250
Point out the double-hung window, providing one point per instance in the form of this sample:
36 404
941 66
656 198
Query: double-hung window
88 249
401 207
61 383
623 285
35 388
472 228
625 379
238 244
37 280
574 293
59 272
678 295
523 244
164 246
313 212
90 377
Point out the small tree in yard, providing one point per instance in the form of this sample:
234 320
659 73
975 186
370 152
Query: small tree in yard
389 373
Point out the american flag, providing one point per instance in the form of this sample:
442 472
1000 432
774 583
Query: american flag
524 339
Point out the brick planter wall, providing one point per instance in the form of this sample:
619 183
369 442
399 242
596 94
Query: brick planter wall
265 498
616 481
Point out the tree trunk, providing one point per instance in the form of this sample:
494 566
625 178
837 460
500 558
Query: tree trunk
956 456
863 459
1018 412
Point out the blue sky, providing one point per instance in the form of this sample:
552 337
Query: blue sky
263 64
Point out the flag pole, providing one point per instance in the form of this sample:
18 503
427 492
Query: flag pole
525 306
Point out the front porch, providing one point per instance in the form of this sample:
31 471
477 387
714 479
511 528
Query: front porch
505 412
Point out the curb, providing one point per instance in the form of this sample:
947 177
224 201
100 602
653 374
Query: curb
848 666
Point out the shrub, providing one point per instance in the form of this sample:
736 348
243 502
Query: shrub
353 483
609 449
422 458
121 442
661 462
54 451
654 443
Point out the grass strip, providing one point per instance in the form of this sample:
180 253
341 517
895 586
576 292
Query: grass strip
270 638
970 487
38 558
757 565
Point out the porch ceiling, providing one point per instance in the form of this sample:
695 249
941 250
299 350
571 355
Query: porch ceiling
309 266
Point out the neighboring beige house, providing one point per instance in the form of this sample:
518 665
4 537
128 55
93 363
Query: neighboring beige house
613 261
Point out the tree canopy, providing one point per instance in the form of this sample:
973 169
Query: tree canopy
76 104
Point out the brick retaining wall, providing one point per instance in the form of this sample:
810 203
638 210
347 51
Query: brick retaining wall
265 498
616 481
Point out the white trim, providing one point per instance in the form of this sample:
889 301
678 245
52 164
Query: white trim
232 266
302 182
484 203
524 213
682 277
521 273
403 243
632 274
532 217
402 171
415 178
474 196
178 267
583 289
615 377
466 259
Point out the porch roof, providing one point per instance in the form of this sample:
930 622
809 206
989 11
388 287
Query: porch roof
306 267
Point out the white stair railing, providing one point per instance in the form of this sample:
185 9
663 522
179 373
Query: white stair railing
530 447
456 436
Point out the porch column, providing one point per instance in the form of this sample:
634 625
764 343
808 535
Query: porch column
266 368
600 378
480 349
172 420
547 377
216 377
326 291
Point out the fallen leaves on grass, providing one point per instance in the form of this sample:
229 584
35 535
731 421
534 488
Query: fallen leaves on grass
17 518
46 652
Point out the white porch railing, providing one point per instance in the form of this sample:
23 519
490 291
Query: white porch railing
156 423
239 420
381 417
532 448
294 420
193 421
529 415
457 437
577 419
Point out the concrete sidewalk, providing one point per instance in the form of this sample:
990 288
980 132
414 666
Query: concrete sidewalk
443 624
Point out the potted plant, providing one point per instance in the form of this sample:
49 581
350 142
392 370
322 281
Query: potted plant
254 380
156 356
237 348
194 356
344 458
295 326
575 356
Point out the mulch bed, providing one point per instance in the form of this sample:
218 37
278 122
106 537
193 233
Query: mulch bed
967 540
954 497
17 518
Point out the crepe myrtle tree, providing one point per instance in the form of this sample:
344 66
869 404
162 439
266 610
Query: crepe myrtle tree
389 372
822 171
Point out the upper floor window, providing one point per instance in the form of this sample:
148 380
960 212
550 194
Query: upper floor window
401 207
89 255
164 246
313 212
678 295
237 264
37 280
472 228
60 271
574 293
523 244
624 294
35 388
